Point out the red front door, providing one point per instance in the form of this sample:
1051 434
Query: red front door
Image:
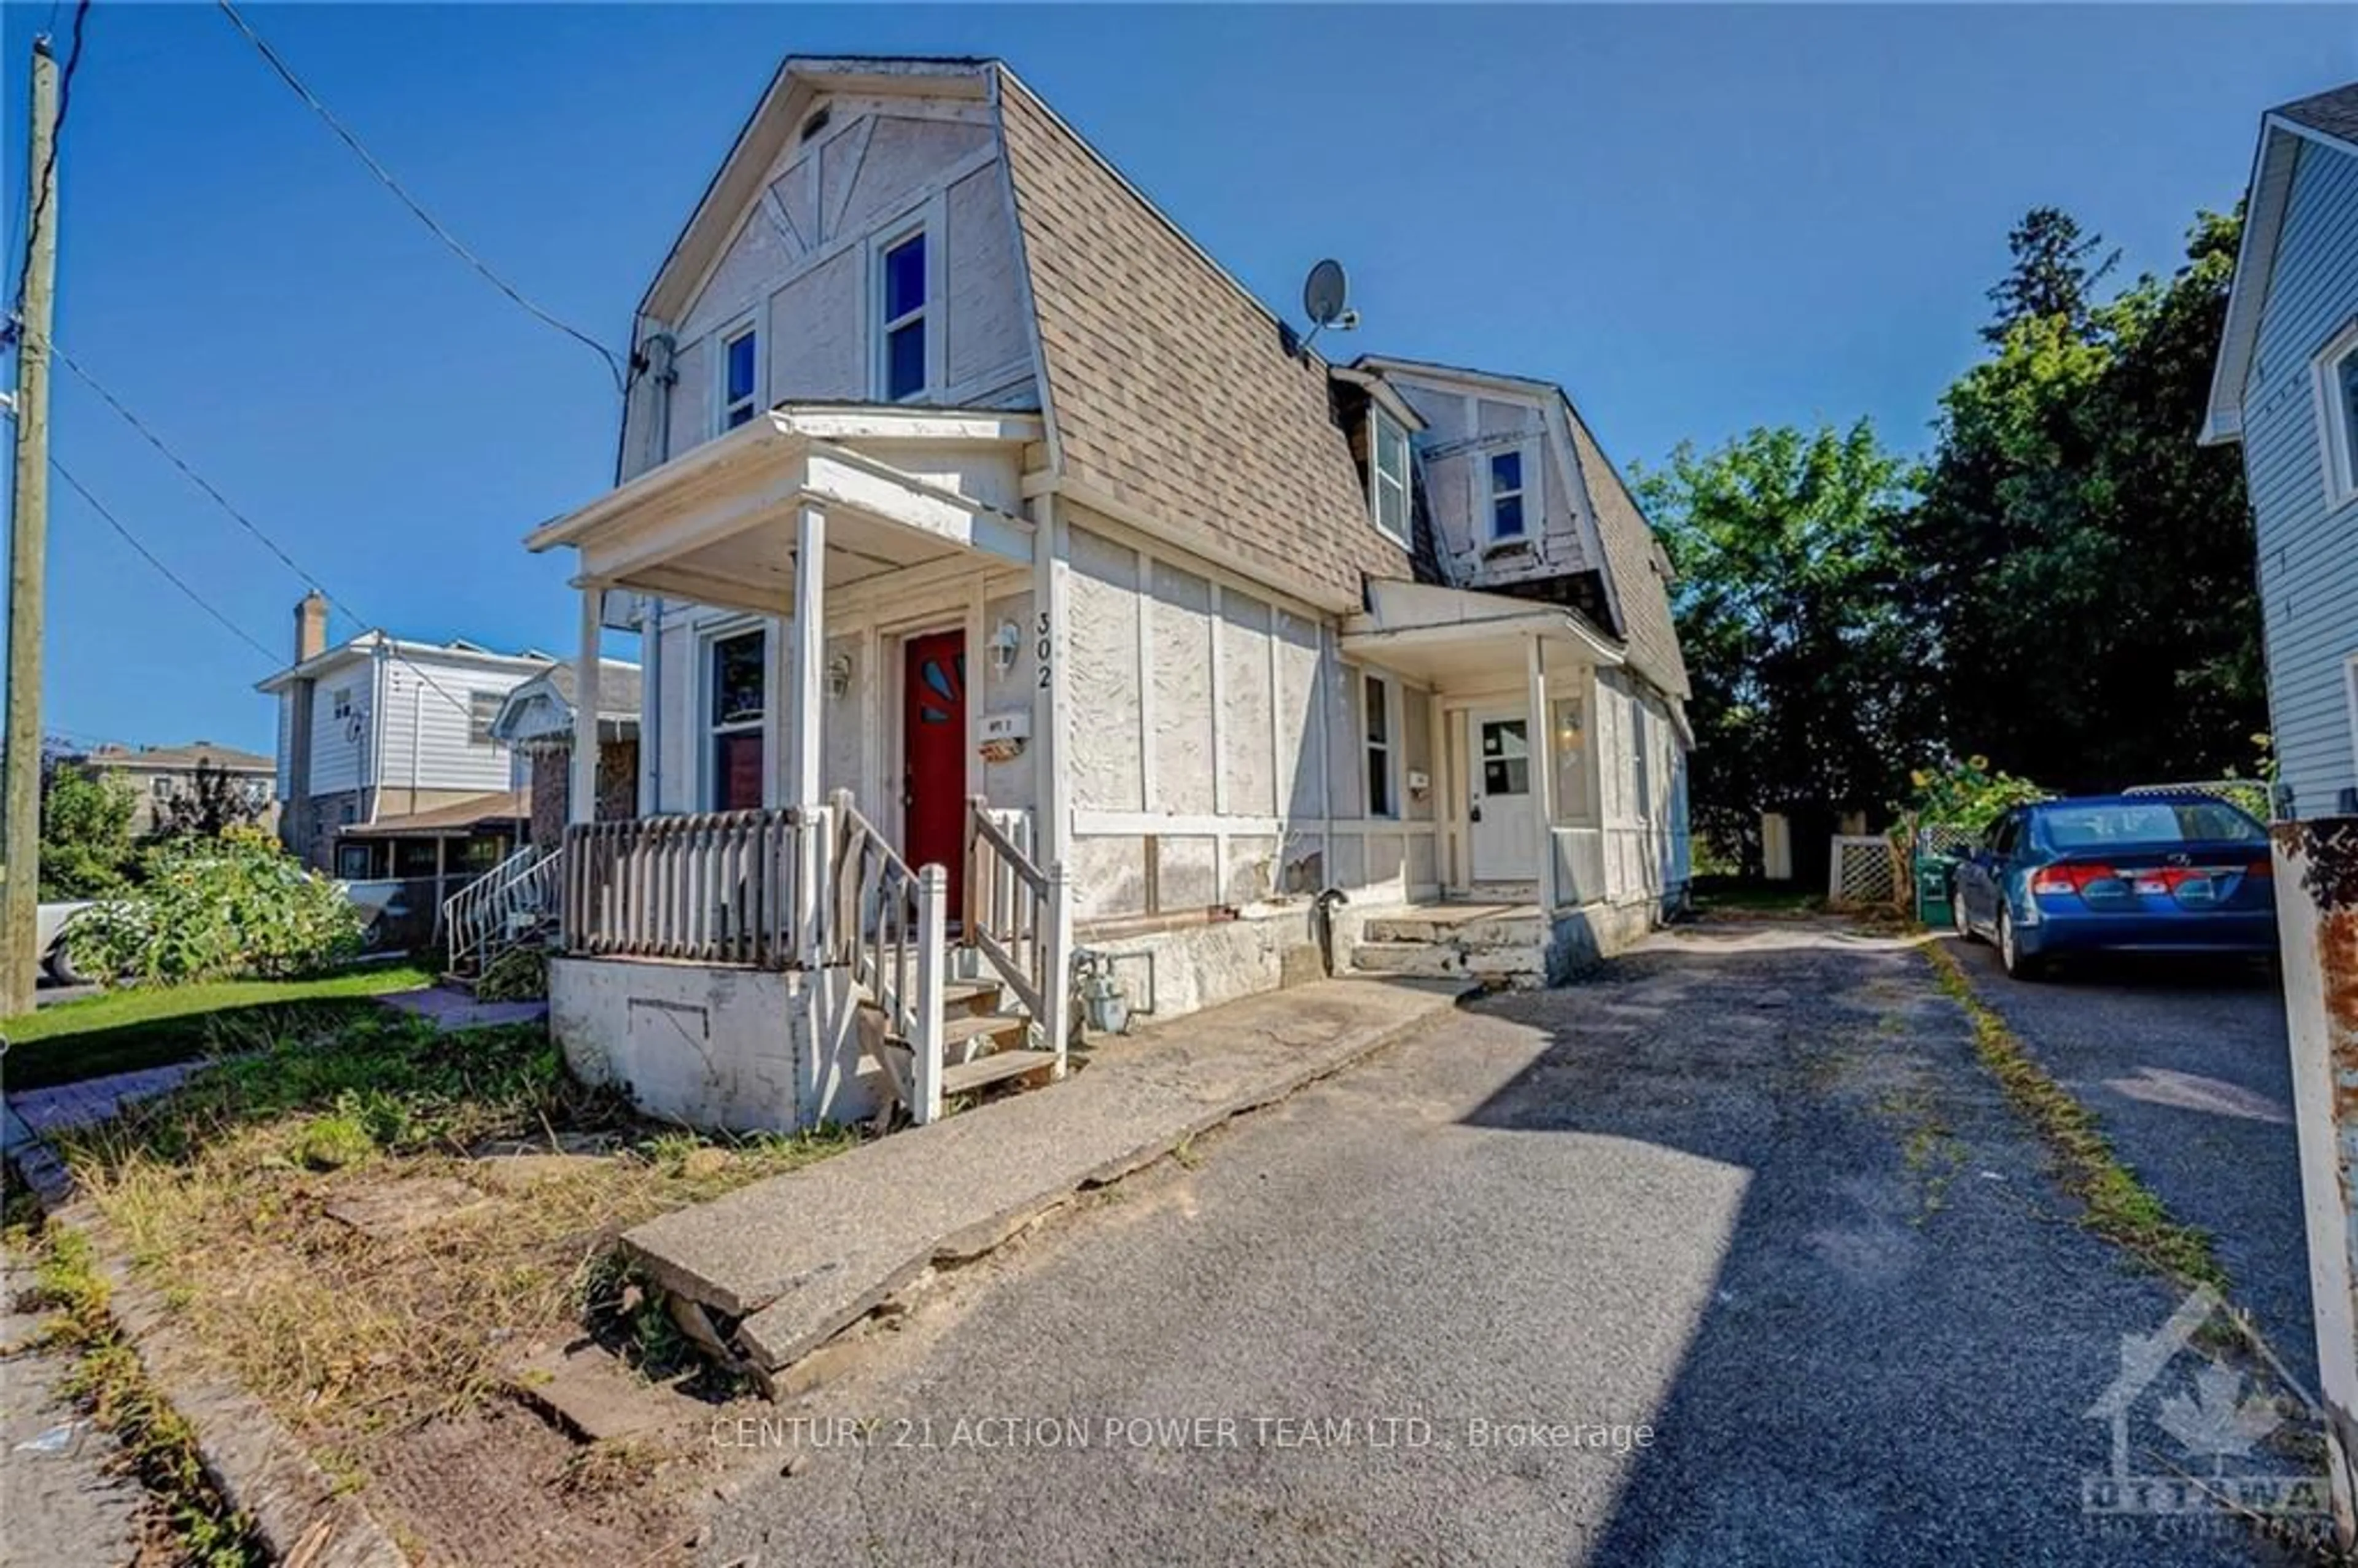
933 756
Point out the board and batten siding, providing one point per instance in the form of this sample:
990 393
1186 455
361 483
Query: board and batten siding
2308 555
1218 755
801 268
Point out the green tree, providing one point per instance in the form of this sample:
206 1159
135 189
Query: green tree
86 847
1807 670
2087 566
216 801
2053 272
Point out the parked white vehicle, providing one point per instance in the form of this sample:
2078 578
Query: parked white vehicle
48 937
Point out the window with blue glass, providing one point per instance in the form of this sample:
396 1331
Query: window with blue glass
740 376
902 312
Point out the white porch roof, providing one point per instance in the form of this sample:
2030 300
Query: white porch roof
900 487
1455 636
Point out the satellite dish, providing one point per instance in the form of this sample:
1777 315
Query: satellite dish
1324 293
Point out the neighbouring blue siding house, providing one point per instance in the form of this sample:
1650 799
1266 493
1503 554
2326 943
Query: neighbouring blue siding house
2286 387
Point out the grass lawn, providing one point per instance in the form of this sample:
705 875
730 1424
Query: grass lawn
390 1348
1732 895
148 1026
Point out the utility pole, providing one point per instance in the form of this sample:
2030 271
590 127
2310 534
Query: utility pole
20 827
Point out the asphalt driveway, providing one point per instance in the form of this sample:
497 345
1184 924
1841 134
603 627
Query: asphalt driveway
1733 1256
2186 1064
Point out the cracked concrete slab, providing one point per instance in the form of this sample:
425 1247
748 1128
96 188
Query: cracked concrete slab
801 1256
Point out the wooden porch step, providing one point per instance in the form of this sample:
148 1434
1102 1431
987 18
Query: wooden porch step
971 996
964 1076
957 1031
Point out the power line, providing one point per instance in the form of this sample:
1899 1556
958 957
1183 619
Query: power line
198 600
286 74
309 580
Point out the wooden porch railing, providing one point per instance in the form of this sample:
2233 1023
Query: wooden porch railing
1015 916
719 887
890 925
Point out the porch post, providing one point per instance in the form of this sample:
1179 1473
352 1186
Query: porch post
806 663
582 794
1051 597
1543 768
806 672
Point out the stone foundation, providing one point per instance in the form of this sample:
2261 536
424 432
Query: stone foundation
1168 973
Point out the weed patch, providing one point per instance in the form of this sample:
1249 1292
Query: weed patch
236 1196
2120 1206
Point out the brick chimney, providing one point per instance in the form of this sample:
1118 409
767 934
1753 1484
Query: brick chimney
311 626
297 825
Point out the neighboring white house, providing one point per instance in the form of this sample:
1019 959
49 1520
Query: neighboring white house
973 517
387 766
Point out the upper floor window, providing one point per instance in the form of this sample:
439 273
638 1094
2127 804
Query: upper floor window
2337 415
1387 477
482 706
339 702
900 299
162 786
740 376
1507 494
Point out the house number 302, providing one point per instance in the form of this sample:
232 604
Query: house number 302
1045 650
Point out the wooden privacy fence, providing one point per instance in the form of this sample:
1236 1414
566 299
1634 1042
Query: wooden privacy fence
720 887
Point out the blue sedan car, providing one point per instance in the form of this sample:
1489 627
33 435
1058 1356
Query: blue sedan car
2154 873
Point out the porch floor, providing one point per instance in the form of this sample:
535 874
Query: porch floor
803 1256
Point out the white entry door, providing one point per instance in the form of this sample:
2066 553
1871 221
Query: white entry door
1505 835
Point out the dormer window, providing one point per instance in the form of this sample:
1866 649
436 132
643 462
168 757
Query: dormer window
1388 476
740 376
900 297
1506 495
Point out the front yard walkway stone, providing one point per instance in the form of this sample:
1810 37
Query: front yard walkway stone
401 1207
448 1007
63 1494
801 1256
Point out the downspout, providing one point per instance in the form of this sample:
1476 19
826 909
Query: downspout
416 735
372 760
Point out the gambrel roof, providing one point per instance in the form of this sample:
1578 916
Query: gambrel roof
1171 399
1637 570
1170 389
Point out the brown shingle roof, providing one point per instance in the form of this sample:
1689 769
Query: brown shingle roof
1169 389
455 820
167 759
1635 562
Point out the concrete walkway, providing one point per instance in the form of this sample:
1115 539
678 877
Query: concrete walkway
62 1491
800 1257
448 1008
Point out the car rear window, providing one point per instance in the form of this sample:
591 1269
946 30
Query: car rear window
2144 822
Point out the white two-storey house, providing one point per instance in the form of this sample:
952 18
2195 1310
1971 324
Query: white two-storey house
1011 585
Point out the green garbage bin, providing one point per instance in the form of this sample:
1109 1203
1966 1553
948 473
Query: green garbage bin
1932 874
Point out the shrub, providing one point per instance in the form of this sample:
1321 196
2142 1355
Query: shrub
1964 794
520 974
218 908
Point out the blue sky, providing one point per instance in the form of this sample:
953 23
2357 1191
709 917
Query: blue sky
1699 220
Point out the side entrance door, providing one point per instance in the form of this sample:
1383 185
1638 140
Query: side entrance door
933 756
1504 837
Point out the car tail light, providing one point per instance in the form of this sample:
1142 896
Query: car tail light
2069 878
2260 869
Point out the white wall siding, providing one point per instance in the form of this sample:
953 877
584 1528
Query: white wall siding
1463 431
2308 555
800 268
426 732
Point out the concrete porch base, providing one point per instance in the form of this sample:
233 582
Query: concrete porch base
785 1264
